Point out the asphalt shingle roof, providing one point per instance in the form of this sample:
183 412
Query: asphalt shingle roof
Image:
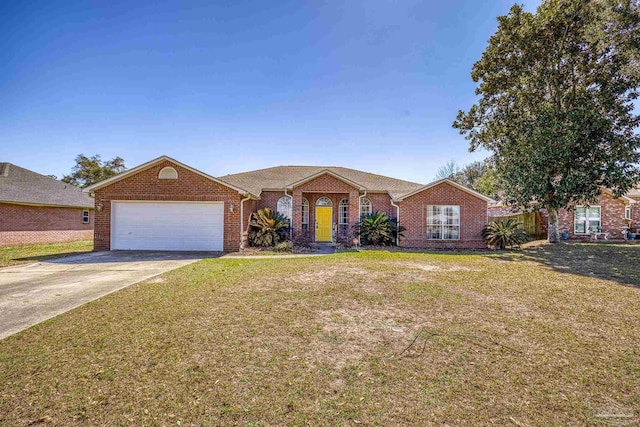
280 177
20 185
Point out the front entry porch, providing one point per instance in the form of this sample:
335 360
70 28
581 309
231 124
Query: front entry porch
325 217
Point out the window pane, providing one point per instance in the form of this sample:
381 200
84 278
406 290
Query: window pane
451 232
581 214
580 227
434 215
343 212
452 215
434 232
594 226
305 211
284 206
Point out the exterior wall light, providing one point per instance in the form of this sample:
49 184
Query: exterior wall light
232 207
100 206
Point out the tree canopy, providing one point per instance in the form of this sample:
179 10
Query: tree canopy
556 103
90 170
480 176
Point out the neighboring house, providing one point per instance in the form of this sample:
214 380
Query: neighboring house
609 215
39 209
166 205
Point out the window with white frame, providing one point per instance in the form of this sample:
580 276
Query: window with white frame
627 212
365 207
305 214
284 207
324 201
587 219
85 217
343 214
443 222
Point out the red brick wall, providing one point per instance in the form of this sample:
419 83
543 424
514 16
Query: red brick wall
413 216
26 225
382 202
189 186
612 218
269 199
325 183
635 216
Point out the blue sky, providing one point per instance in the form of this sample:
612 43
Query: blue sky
229 86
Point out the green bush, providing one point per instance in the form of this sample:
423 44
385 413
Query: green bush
379 230
503 234
268 228
284 247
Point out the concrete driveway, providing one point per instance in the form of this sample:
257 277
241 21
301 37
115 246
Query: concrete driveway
32 293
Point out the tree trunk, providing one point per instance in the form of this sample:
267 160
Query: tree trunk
554 234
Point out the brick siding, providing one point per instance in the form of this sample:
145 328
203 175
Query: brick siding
28 225
413 216
189 186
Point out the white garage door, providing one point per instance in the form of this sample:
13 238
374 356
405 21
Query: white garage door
167 226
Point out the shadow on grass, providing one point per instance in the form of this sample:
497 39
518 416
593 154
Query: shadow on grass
617 262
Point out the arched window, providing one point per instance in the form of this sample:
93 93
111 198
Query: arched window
365 207
343 212
324 201
284 207
305 214
168 173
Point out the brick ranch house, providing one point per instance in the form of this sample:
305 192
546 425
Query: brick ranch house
39 209
166 205
609 215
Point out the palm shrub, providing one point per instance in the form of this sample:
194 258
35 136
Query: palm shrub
504 233
268 228
378 229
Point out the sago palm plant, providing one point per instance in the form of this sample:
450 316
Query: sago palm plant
504 234
268 228
378 229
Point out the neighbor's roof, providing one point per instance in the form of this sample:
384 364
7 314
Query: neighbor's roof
282 177
634 193
20 185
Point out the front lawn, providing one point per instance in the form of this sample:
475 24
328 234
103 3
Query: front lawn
372 338
32 253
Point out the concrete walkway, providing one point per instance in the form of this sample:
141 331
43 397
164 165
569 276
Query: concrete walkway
30 294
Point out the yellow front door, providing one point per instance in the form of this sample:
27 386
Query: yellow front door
323 223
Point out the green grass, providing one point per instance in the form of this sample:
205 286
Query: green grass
372 338
30 253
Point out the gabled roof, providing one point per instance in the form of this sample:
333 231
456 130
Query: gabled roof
155 161
283 177
330 173
22 186
447 181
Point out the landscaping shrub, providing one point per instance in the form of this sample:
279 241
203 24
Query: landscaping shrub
284 247
302 238
268 228
345 236
378 229
502 234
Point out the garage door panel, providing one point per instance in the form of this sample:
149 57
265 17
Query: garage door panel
168 226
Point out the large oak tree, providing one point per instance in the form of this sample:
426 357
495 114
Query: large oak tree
556 103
